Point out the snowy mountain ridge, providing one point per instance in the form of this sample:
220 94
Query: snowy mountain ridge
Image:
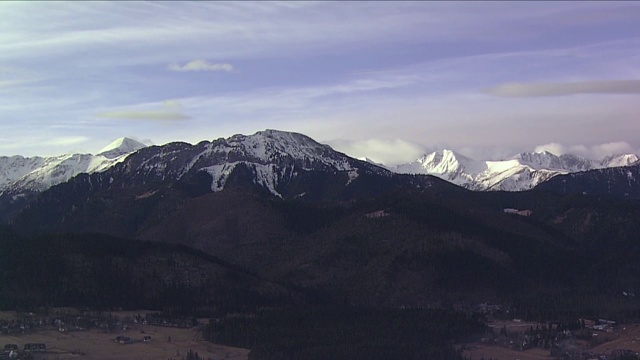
35 174
521 172
272 157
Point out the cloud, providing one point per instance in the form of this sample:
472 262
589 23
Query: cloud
597 151
64 141
144 115
554 148
487 153
566 88
172 111
200 65
388 152
41 144
12 77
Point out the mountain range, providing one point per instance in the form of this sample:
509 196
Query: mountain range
20 176
521 172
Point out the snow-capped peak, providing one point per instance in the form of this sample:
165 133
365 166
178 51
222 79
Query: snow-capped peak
549 161
446 160
271 146
19 174
120 146
272 157
445 164
619 160
521 172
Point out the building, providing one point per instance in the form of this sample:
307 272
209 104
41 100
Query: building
518 212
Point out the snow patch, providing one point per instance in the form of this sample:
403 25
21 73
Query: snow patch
353 174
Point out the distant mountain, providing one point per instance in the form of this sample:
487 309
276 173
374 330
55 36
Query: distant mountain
19 174
366 159
121 146
285 164
521 172
22 178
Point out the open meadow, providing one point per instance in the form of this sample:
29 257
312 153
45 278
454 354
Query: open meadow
90 344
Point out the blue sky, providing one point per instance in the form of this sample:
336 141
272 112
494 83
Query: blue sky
388 80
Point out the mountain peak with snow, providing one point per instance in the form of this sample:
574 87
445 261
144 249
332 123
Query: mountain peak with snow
520 172
620 160
19 174
120 146
274 156
270 159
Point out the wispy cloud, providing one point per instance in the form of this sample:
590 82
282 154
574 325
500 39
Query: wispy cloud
144 115
597 151
246 29
388 152
41 144
566 88
11 77
65 141
172 110
200 65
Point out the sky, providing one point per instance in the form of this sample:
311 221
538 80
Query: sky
386 80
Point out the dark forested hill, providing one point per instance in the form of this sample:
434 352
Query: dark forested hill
621 182
103 272
404 247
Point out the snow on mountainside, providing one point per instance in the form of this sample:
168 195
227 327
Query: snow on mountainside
619 160
521 172
265 151
15 167
121 146
19 174
273 157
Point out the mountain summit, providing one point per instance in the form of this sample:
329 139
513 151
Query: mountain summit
121 146
271 159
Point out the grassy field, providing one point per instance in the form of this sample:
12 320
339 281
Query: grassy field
166 343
